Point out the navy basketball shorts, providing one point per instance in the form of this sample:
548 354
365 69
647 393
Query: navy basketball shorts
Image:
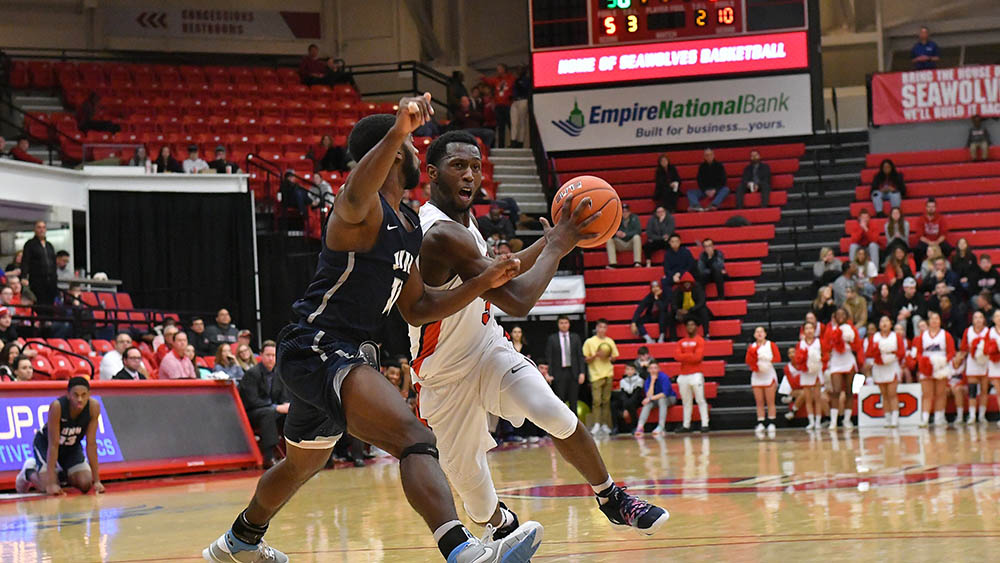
313 366
71 458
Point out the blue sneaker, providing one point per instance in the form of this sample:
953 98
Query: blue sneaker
518 547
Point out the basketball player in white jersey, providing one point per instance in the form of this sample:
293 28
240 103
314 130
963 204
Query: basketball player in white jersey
467 369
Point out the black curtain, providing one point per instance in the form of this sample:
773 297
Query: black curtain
287 264
177 251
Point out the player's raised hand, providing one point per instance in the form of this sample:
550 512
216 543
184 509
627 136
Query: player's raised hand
503 269
413 112
569 230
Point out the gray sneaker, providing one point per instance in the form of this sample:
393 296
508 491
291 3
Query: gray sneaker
220 551
368 351
518 547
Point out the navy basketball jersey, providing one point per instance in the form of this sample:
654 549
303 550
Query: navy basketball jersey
351 294
71 430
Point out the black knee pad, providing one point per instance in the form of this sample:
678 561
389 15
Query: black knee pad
419 448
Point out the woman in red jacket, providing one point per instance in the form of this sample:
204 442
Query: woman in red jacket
887 350
810 363
760 358
842 345
935 352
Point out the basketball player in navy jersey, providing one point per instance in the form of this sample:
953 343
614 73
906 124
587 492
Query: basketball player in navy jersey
58 448
466 367
365 267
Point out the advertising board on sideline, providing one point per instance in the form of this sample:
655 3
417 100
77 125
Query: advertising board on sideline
663 114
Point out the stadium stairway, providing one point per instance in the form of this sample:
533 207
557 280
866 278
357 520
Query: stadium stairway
814 186
517 175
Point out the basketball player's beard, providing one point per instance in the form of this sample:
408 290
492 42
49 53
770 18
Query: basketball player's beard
411 171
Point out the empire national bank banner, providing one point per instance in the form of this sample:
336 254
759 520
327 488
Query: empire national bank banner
744 108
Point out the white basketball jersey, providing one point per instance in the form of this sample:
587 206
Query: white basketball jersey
447 350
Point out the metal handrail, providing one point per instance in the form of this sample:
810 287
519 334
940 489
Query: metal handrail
8 103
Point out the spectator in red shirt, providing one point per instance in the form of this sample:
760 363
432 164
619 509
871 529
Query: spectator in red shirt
933 231
471 120
503 87
20 152
691 380
314 70
174 364
863 236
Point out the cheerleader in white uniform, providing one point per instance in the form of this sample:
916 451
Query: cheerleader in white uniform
935 352
974 351
993 353
886 350
906 366
760 358
842 345
810 363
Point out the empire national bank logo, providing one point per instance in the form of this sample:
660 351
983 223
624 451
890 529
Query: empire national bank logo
573 125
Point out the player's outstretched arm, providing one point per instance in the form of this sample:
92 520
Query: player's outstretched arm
95 413
453 248
420 304
360 194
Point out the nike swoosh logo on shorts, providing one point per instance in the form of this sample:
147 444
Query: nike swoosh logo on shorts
391 227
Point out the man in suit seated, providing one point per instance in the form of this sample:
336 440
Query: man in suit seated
564 353
132 361
266 401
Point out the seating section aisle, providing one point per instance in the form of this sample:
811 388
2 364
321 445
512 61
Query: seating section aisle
613 293
967 195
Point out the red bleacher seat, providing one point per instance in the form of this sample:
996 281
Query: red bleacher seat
101 346
750 269
650 159
62 368
713 349
720 328
80 346
60 343
744 251
941 188
43 367
724 308
945 205
633 294
940 171
710 368
941 156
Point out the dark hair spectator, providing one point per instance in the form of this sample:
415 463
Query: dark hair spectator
756 178
456 91
824 305
221 164
165 162
495 227
897 230
711 267
658 230
887 185
689 303
140 158
653 308
266 401
86 116
194 164
985 277
677 260
468 118
629 235
933 231
667 184
711 184
520 129
978 140
38 265
327 156
882 302
925 53
518 341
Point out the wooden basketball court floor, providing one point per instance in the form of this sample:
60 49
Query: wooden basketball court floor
907 496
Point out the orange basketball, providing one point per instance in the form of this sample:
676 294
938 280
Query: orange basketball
604 198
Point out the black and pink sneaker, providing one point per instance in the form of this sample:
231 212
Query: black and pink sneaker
623 509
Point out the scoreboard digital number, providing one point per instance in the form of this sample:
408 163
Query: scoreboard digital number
637 21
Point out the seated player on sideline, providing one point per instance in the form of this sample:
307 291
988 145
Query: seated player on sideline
465 366
366 267
59 459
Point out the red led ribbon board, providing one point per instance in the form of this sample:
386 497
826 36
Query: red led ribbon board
675 59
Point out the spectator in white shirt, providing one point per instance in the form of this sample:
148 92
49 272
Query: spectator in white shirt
193 164
112 362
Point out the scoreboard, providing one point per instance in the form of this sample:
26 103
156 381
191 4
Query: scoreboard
631 21
576 42
557 24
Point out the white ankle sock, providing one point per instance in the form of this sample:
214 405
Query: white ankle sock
925 416
834 413
982 413
847 414
603 486
506 517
